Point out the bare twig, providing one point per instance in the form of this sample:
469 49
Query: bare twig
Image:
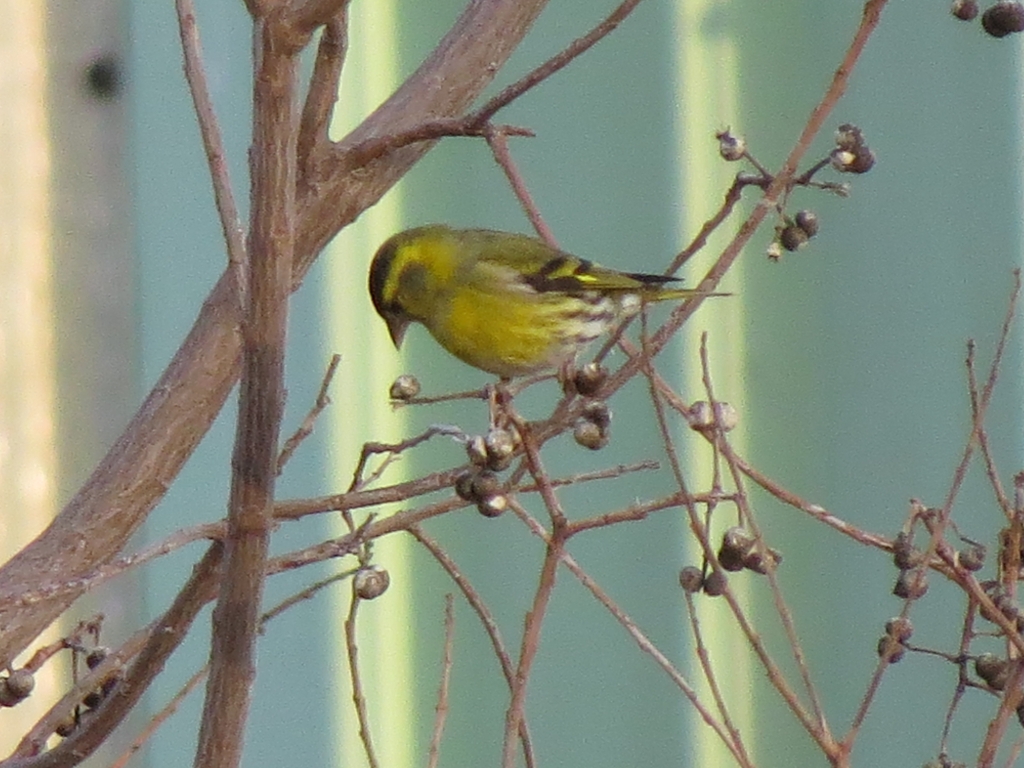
216 158
497 140
528 651
632 629
488 621
306 427
161 717
477 123
441 708
986 451
735 738
555 63
377 147
986 397
358 697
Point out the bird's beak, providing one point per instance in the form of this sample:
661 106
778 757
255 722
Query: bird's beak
397 325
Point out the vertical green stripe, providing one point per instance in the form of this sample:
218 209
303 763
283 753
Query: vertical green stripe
361 413
707 68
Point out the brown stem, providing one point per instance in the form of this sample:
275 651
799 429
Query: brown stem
260 402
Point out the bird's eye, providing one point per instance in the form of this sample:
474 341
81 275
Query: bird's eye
412 281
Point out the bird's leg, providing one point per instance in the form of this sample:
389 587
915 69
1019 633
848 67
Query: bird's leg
567 377
499 399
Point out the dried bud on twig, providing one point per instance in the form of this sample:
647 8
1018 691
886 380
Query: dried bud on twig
16 687
405 387
371 582
731 148
691 579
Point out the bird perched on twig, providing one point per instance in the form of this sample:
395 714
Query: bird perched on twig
505 303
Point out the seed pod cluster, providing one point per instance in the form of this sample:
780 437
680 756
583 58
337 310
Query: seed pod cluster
1004 603
852 153
912 580
93 659
484 488
702 417
794 233
739 551
993 669
495 450
588 379
593 428
94 698
892 645
692 579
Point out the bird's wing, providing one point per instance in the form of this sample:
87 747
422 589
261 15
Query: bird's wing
534 265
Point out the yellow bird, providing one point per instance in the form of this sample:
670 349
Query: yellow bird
505 303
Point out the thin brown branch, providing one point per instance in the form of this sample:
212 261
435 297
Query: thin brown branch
528 651
735 739
488 621
358 697
477 123
177 540
732 197
571 52
213 143
541 599
634 631
378 147
986 396
306 427
986 450
816 511
441 708
392 450
161 717
497 140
